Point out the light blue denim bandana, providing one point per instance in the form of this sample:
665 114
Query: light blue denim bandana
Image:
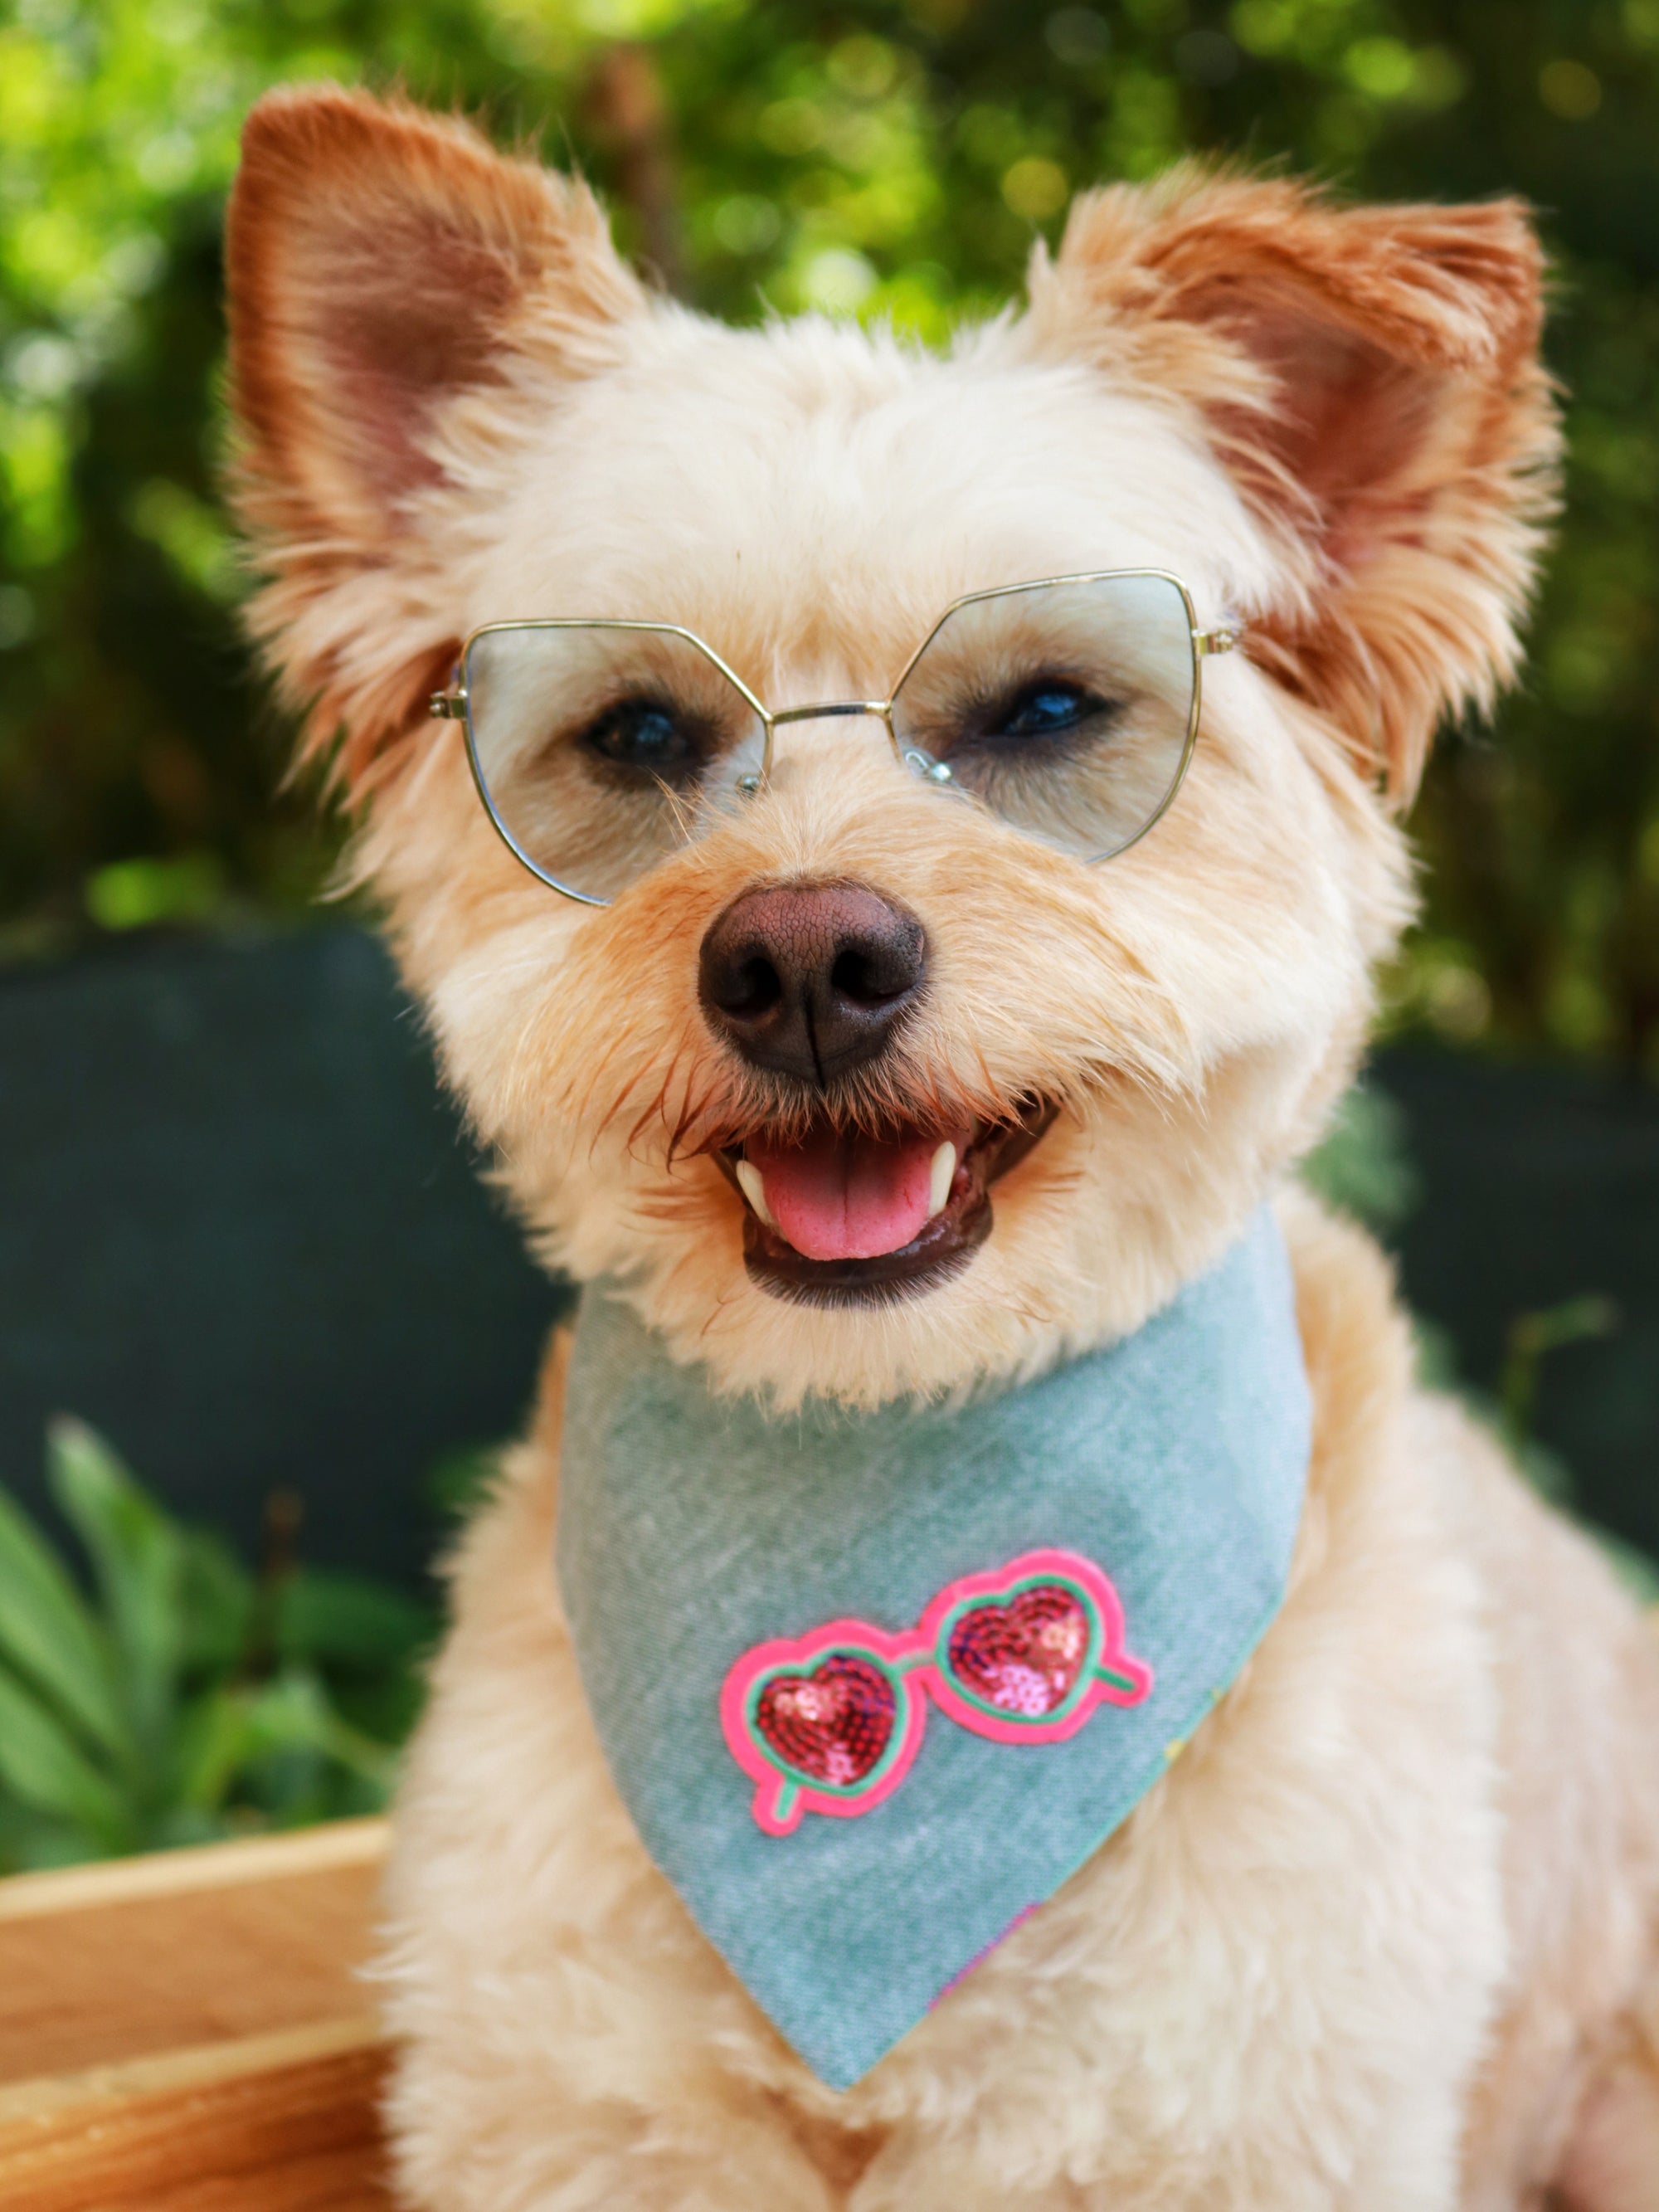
873 1686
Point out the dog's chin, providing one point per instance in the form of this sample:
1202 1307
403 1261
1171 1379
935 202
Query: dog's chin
941 1247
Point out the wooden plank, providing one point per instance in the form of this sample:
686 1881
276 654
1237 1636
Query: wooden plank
189 2032
112 1964
286 2123
35 2107
197 1867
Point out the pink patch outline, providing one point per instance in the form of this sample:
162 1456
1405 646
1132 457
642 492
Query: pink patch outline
780 1799
997 1587
913 1658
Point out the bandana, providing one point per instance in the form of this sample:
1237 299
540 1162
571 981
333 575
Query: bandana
872 1686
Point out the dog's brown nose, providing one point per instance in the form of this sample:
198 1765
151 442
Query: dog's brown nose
811 980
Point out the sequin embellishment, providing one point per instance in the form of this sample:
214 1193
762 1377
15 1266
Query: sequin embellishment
1025 1654
830 1722
1021 1658
834 1723
827 1722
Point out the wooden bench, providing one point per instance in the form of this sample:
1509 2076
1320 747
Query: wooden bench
190 2032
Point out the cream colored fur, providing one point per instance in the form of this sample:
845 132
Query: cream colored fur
1384 1940
1286 1982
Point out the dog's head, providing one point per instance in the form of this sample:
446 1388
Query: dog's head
870 1075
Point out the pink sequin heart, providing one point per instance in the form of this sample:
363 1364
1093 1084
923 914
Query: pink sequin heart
834 1723
1026 1657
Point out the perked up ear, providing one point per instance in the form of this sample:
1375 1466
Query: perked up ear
1370 377
380 262
376 256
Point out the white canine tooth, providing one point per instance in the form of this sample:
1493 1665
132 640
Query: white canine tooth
753 1186
940 1177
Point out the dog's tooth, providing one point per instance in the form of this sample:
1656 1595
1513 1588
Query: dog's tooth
754 1189
941 1175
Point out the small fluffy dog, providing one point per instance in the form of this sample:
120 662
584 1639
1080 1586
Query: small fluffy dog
897 1054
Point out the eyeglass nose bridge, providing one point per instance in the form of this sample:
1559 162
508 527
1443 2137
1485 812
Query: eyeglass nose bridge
919 763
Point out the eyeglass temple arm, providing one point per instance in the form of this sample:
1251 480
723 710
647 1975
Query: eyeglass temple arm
1221 639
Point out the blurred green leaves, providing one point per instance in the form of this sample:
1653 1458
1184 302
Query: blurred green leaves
1363 1166
175 1698
884 158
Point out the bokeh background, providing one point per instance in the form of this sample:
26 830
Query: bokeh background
238 1233
887 160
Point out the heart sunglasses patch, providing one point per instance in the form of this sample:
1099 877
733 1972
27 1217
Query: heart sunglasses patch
825 1723
830 1722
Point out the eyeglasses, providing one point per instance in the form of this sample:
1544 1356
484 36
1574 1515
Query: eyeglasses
832 1721
1067 707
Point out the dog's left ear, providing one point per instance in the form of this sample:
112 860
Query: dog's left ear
1370 378
383 264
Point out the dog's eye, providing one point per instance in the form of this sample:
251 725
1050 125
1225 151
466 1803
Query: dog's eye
647 738
1046 708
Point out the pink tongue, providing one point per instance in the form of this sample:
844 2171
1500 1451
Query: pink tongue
848 1197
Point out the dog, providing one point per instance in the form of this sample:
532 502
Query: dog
826 1038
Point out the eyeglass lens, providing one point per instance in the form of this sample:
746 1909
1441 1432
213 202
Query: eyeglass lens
602 749
1065 709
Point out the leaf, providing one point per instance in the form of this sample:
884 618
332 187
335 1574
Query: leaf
41 1764
383 1705
137 1555
343 1620
31 1841
217 1740
1363 1166
460 1481
182 1825
48 1632
293 1713
217 1603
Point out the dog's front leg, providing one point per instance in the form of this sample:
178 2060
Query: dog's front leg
1412 2167
569 2043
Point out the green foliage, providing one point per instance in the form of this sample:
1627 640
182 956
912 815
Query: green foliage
460 1481
882 157
1532 1336
1362 1165
181 1699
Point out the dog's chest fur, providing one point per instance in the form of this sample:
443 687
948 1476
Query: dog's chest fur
1276 1985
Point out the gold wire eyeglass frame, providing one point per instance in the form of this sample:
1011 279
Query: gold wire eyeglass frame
453 705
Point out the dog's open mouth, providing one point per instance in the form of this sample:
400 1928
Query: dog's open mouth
845 1218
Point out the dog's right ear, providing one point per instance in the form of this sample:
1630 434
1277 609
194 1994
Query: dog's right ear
378 258
381 261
